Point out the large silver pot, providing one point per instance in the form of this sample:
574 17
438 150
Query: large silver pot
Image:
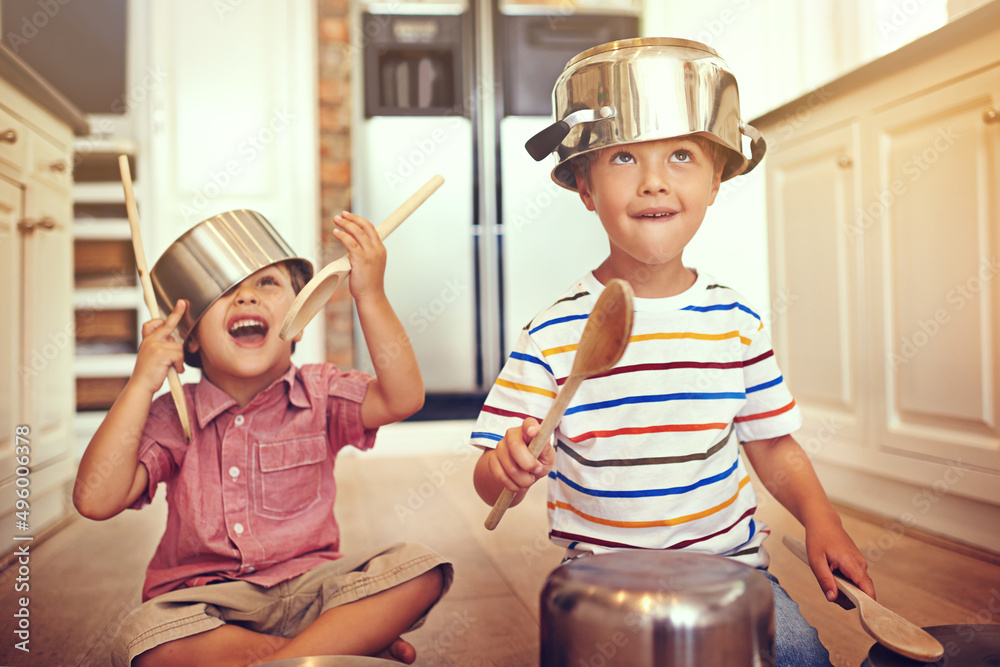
662 608
641 90
213 257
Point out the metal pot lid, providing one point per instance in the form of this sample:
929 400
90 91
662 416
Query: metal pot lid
964 646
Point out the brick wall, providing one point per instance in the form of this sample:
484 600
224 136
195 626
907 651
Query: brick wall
335 159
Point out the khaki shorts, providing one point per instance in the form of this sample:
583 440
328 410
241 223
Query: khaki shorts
284 610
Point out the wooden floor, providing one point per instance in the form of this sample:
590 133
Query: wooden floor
87 577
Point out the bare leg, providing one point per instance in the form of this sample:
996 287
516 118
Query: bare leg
370 626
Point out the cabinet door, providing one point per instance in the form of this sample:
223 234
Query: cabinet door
48 326
10 306
814 270
936 256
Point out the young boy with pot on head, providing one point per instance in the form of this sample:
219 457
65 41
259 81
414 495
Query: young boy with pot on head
647 455
249 567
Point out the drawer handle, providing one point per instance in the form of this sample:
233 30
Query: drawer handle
991 116
58 166
8 137
28 225
844 162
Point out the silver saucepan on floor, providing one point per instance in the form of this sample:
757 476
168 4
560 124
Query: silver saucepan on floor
646 608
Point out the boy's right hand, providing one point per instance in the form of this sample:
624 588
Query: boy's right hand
159 351
513 466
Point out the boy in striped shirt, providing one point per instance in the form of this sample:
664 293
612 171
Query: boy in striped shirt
647 455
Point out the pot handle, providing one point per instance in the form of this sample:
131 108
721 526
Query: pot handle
757 146
546 141
549 139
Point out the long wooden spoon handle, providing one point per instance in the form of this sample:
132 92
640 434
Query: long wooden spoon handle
396 218
555 413
176 391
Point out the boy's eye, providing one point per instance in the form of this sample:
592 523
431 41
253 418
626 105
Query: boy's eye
682 155
623 157
267 280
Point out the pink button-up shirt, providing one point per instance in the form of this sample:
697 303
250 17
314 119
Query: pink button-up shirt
251 496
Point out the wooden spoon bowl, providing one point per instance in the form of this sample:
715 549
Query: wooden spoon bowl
317 292
602 344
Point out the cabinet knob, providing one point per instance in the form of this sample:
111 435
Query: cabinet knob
844 162
59 166
991 116
29 225
8 137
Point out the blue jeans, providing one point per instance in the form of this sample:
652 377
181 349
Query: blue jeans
796 643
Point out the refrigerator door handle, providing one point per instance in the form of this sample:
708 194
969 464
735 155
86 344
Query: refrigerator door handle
549 139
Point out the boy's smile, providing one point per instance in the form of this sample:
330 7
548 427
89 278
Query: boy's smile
651 198
237 339
248 330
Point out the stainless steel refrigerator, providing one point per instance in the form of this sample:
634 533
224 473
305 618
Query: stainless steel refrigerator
456 88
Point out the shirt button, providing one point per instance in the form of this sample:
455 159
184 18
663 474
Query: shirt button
238 528
250 568
234 472
239 420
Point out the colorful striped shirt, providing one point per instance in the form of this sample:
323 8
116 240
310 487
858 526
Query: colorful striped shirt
647 454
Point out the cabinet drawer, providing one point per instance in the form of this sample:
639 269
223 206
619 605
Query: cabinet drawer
13 147
51 163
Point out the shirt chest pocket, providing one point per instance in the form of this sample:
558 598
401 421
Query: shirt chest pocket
290 475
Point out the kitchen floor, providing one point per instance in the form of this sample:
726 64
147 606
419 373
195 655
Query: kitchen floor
87 577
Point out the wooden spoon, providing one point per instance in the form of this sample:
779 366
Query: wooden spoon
601 346
318 291
147 288
888 628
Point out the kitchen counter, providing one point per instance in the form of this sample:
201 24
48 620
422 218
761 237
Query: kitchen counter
20 75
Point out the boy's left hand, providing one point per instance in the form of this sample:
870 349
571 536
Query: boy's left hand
830 549
366 252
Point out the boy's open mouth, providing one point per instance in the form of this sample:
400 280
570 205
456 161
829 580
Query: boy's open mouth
248 329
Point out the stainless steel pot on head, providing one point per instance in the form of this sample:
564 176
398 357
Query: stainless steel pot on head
213 257
640 90
662 608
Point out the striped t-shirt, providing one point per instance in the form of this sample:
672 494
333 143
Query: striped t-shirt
647 453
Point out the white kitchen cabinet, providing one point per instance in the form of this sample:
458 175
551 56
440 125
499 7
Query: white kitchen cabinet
936 254
36 337
812 190
884 223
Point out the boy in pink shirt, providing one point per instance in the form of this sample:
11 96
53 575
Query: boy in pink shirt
249 567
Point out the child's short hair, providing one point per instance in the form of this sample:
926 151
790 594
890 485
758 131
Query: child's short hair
580 165
298 281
